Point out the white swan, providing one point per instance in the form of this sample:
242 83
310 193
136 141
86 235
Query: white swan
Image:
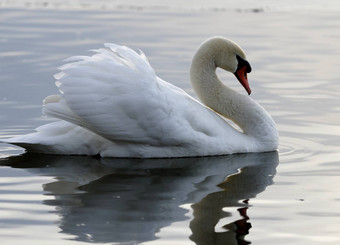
114 105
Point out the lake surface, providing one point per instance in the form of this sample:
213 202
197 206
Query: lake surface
287 197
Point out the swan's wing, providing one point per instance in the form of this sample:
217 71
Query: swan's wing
116 94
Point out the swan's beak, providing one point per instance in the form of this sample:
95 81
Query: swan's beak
241 75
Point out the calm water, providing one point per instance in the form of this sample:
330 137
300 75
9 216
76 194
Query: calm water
286 197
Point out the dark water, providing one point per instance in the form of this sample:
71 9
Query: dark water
289 197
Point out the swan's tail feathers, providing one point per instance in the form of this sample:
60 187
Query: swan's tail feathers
43 140
30 142
59 137
33 148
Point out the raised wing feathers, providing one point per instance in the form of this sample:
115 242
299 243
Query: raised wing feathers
116 94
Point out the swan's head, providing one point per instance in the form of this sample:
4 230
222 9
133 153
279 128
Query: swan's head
227 55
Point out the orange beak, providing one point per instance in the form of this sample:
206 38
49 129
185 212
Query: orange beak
241 75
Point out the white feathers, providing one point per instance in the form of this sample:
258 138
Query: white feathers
113 104
114 94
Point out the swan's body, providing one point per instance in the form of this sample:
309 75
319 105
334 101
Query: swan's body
113 104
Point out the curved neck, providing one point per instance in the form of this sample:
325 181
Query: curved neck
245 112
212 92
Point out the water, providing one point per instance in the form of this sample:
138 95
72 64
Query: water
288 197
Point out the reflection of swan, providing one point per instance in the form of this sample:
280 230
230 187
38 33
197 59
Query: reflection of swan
252 179
130 200
113 104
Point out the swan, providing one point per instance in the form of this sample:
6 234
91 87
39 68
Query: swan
113 104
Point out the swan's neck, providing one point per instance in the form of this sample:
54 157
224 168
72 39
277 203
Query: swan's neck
245 112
